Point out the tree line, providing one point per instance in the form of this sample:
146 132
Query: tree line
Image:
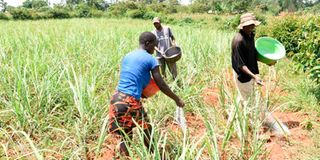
41 9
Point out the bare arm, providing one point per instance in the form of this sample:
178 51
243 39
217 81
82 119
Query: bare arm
158 50
247 71
172 39
164 87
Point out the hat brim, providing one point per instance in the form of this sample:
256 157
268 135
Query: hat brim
255 22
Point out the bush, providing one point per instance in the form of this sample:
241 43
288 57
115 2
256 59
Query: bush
199 8
83 10
287 30
231 23
301 38
150 15
21 13
162 8
136 13
187 20
35 4
170 9
120 9
59 13
262 19
4 16
96 13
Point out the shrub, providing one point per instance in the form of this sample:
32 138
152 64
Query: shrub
231 23
59 13
301 38
136 13
150 15
262 19
4 16
121 8
21 13
162 8
170 9
199 8
34 4
96 13
83 10
156 7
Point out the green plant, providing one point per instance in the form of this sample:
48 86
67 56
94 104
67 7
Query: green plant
59 13
137 13
21 13
57 77
231 23
4 16
199 8
300 37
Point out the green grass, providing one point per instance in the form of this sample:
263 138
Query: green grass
57 76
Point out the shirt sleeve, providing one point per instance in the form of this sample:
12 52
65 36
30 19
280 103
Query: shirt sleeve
238 55
153 63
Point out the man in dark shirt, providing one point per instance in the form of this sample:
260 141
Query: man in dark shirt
245 66
244 57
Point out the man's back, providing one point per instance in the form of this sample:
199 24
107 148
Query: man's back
135 72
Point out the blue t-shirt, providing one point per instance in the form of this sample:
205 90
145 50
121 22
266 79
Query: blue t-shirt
135 72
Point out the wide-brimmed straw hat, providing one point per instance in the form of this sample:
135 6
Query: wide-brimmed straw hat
248 19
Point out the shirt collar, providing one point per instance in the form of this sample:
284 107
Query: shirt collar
251 36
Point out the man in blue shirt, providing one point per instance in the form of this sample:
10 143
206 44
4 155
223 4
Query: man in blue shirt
125 106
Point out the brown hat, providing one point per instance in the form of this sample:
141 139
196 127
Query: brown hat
248 19
156 20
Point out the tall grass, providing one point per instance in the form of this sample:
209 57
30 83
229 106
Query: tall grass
57 76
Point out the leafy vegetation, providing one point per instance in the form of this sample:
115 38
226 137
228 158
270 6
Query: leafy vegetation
300 35
146 9
57 77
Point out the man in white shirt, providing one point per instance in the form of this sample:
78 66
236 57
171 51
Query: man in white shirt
166 40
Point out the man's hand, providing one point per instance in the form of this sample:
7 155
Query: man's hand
173 42
158 50
258 80
180 103
162 53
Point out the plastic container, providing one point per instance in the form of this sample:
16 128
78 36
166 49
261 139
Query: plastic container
172 54
151 89
269 50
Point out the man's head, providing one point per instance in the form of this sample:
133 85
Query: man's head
148 41
157 23
248 22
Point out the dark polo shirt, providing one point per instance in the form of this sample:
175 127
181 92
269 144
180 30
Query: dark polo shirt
244 53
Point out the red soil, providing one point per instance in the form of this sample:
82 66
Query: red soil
286 148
